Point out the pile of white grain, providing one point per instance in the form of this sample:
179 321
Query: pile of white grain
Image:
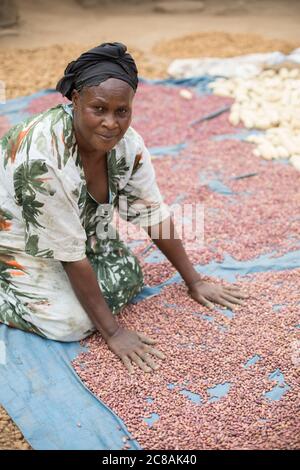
268 102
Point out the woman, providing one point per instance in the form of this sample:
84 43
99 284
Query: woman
63 275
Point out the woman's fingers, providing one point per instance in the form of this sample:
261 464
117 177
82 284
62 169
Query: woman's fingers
154 352
147 359
146 339
142 359
225 303
232 299
206 302
236 292
127 363
139 362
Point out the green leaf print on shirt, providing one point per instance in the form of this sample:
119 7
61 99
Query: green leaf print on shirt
28 181
116 169
68 138
32 247
12 308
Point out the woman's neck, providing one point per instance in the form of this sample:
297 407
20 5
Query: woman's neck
86 152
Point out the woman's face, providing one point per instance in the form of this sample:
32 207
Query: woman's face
102 114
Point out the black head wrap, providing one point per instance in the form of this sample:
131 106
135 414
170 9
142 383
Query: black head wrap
109 60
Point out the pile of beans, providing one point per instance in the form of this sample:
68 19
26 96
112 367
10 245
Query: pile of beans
204 350
154 109
233 223
206 394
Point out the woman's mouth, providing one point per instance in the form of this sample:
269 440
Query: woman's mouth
107 137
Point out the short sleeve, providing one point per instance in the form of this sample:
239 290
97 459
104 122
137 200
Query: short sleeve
140 200
50 212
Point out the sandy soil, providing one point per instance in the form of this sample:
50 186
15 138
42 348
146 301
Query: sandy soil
10 436
45 22
47 26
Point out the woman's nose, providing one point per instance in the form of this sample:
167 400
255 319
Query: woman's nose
110 121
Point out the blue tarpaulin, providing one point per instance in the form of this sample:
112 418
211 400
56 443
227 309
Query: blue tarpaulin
45 397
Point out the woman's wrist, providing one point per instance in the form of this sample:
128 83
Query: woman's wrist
193 280
117 331
109 331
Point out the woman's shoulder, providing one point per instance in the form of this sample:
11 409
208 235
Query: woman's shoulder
133 136
44 135
46 118
131 144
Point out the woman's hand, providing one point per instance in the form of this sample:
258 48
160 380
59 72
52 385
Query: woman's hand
208 294
134 348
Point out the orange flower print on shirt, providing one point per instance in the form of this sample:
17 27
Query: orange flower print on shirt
16 273
5 218
14 264
10 262
4 224
15 145
137 162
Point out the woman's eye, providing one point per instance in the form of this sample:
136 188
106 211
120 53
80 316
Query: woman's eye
123 111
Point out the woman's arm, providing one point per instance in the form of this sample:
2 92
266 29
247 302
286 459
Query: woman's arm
130 346
173 249
202 291
85 285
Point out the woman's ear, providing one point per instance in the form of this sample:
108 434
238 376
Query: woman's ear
75 98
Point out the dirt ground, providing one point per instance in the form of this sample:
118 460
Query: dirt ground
45 22
34 54
52 33
10 436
